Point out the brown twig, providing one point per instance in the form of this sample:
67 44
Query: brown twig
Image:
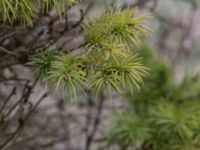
95 126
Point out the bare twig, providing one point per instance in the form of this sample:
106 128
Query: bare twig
95 126
20 126
7 100
8 52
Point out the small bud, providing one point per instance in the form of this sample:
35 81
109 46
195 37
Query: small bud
65 78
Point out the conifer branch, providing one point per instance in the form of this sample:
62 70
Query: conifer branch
106 59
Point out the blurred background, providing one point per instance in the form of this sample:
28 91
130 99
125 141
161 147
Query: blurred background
47 122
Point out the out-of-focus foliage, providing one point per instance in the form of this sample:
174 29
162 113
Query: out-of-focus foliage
163 116
106 61
26 10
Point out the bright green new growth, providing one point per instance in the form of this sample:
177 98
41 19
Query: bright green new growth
26 10
66 72
107 45
119 26
106 61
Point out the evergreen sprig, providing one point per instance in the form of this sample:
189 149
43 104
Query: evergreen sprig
42 61
106 62
26 10
66 73
117 26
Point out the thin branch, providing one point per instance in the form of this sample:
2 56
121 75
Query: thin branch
20 127
8 98
8 52
83 14
91 135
